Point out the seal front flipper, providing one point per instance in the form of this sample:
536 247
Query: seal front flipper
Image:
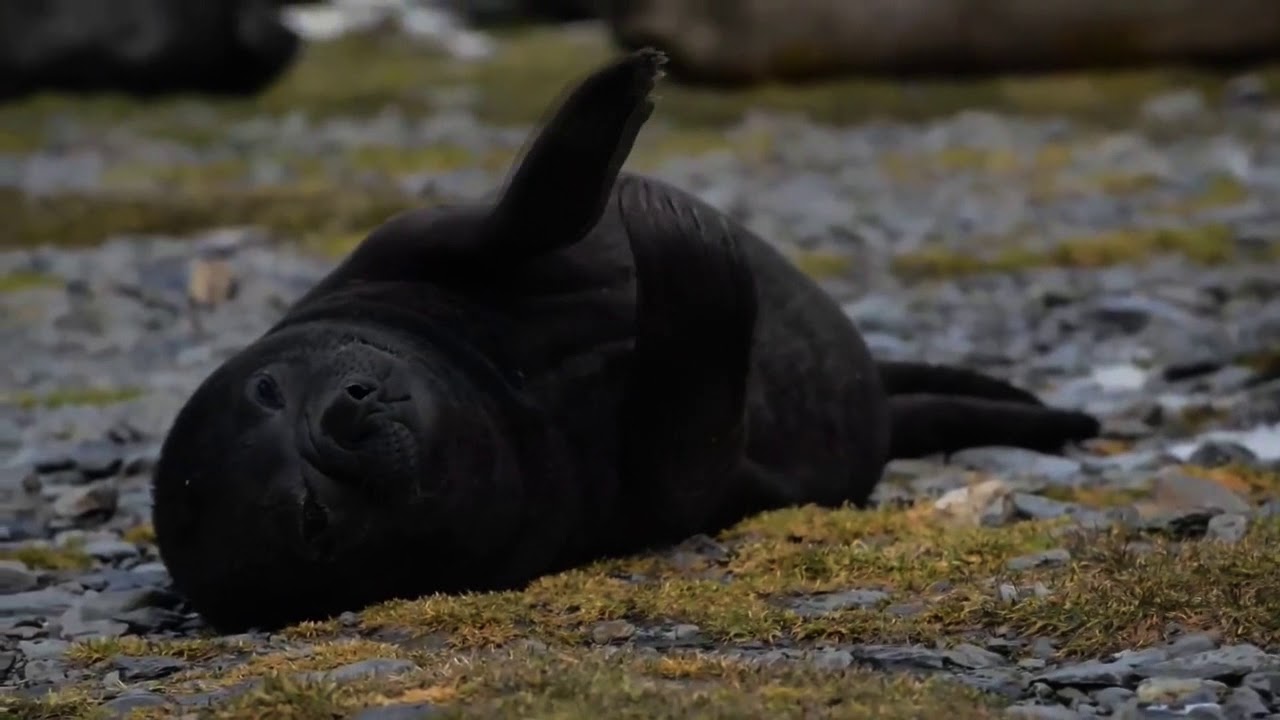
927 424
559 189
684 416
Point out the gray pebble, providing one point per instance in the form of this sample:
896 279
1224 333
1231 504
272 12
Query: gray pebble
1041 712
1245 702
1180 691
1266 683
44 649
1048 558
133 669
1225 662
111 550
832 659
1228 528
967 655
43 603
123 705
1090 674
377 667
1113 697
16 577
408 711
818 605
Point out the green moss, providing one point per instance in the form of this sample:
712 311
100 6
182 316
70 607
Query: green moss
1250 482
1105 598
1097 497
143 534
19 281
47 557
94 397
529 683
292 213
1207 244
90 652
1221 191
909 554
818 264
361 75
60 704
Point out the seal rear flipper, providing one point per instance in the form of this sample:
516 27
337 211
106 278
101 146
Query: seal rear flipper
923 425
559 190
908 378
683 424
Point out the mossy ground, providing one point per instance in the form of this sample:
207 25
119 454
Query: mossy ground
90 396
48 557
534 653
324 201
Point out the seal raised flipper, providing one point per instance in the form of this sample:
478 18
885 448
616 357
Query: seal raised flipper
554 196
578 154
928 424
913 378
684 415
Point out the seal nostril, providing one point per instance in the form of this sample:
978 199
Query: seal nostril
358 391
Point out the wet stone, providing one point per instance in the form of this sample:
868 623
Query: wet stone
1019 462
111 550
893 657
1113 697
1024 711
818 605
133 669
1217 453
1233 661
45 602
43 649
404 711
1005 682
832 659
1245 702
1173 490
365 669
1170 691
1266 683
1048 558
1090 674
123 705
1036 507
96 499
612 631
1228 528
971 656
98 459
16 577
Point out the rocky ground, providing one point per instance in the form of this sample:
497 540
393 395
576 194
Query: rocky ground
1131 268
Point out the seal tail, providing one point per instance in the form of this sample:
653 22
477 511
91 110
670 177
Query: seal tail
908 378
924 425
559 190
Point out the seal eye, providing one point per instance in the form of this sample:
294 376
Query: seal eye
267 393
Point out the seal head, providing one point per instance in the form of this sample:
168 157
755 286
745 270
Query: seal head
295 482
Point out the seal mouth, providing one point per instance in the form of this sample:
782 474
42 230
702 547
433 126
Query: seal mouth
329 459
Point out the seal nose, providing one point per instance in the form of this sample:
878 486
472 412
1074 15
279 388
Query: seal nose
347 410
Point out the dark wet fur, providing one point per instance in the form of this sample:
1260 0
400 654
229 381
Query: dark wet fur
610 365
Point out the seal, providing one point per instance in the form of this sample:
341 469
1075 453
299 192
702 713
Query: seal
587 362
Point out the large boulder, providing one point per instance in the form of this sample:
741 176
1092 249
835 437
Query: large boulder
142 47
748 41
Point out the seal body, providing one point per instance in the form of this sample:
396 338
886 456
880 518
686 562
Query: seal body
588 363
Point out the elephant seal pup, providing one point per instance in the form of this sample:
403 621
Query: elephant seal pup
587 363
